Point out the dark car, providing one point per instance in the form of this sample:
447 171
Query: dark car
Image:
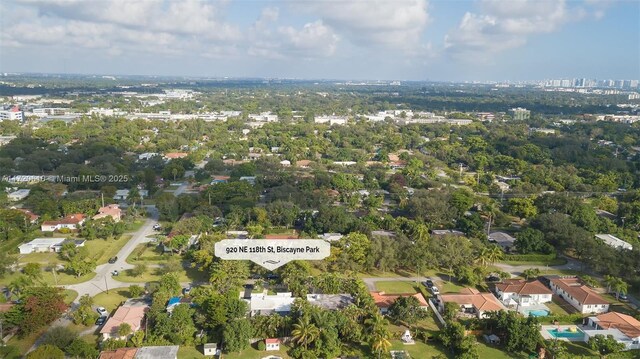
493 279
113 260
100 321
428 283
272 276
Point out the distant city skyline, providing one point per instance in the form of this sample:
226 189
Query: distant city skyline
486 40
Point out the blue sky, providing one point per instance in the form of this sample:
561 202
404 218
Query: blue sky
367 39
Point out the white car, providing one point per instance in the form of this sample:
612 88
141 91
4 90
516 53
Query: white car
102 311
435 290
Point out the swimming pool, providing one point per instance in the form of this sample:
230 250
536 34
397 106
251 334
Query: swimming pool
536 313
566 333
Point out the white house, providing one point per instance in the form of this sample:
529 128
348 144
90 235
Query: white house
265 304
614 241
515 292
272 344
121 195
18 195
331 237
581 297
40 245
624 328
71 222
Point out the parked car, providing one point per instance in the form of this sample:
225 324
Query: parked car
428 283
435 290
113 259
115 273
102 311
186 290
272 276
157 227
100 321
623 297
493 278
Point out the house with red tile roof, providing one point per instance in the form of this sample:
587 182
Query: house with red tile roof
624 328
121 353
472 301
71 222
33 218
112 210
384 301
175 155
580 296
522 293
131 313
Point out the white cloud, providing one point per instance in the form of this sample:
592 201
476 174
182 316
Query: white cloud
313 40
397 24
503 25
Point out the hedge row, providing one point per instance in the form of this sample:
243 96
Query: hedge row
530 257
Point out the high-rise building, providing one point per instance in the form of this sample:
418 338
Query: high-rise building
520 114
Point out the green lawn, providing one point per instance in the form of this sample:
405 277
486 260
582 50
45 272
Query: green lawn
60 278
24 343
553 262
557 309
391 287
70 295
43 258
111 300
101 250
147 253
618 306
186 352
185 275
135 225
449 287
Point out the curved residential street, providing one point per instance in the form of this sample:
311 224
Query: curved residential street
103 278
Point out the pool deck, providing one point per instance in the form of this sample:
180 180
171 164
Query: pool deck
544 331
534 307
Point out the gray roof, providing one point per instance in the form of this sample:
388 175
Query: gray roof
211 346
162 352
330 301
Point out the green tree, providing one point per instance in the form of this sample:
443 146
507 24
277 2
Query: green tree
7 261
304 332
135 291
532 241
81 349
124 330
85 314
522 207
452 253
531 273
605 345
137 339
33 270
81 267
356 245
406 309
39 307
46 352
236 335
59 337
138 270
489 255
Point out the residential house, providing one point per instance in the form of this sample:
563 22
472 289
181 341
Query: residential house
285 163
580 296
384 301
303 163
472 302
33 218
154 352
331 237
330 301
174 155
111 210
520 293
18 195
614 241
41 245
504 240
265 304
272 344
220 179
70 222
624 328
131 312
446 232
121 195
158 352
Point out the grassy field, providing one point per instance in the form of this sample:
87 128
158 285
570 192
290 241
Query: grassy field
48 278
111 300
391 287
101 250
552 262
185 275
70 295
146 253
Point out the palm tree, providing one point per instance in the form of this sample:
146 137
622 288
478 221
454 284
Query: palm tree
304 332
380 342
376 324
620 286
489 255
18 285
609 281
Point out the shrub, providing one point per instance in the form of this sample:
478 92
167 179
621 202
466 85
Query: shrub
262 346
